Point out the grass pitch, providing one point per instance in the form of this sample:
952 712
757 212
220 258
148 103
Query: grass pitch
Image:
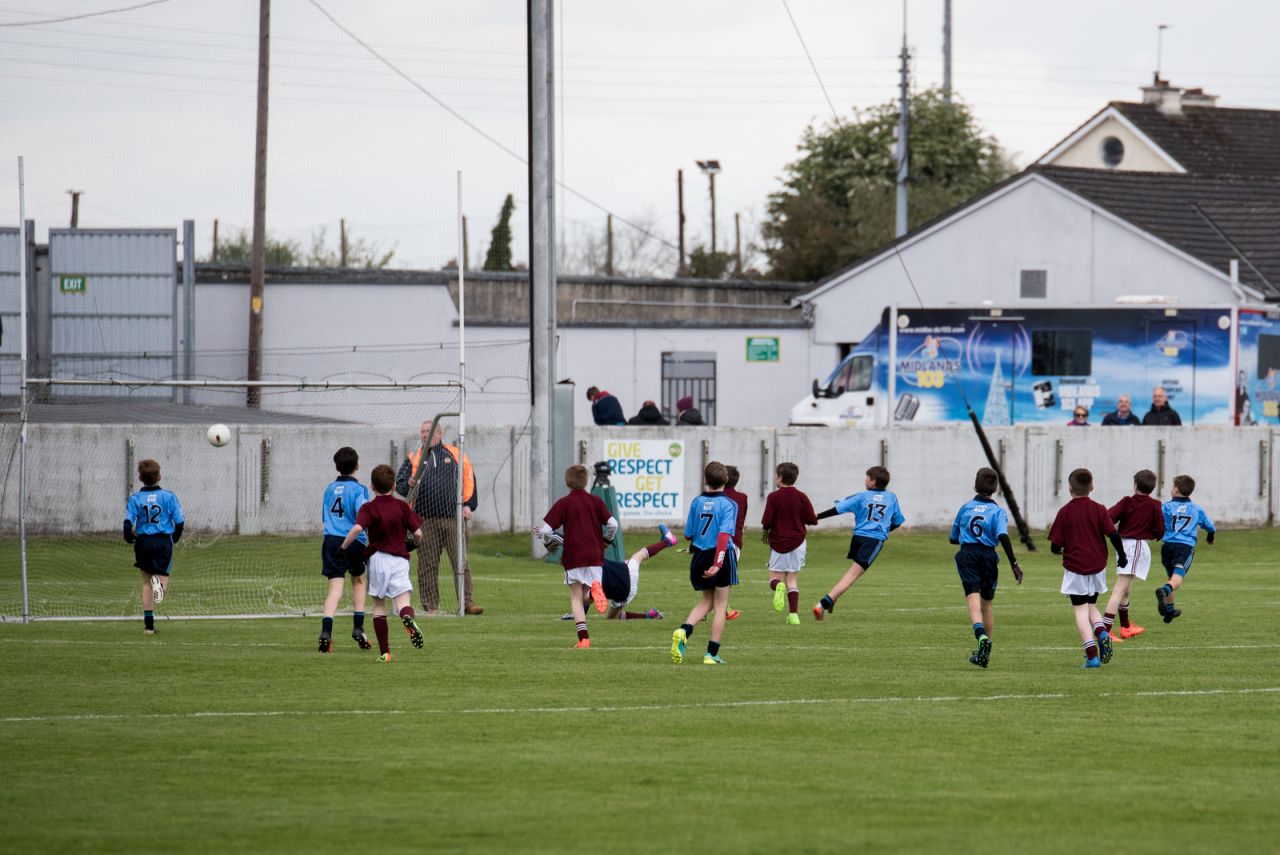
869 731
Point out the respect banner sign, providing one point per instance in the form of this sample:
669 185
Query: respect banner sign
648 475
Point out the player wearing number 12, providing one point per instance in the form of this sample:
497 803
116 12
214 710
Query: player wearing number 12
713 565
1183 520
875 514
343 499
978 527
153 523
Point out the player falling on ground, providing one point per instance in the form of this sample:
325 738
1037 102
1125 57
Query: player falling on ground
786 513
153 523
389 522
1138 519
620 581
713 564
1079 534
1183 519
588 527
979 526
875 513
343 499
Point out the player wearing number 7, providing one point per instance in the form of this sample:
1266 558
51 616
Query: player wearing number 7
713 564
1182 520
978 527
875 514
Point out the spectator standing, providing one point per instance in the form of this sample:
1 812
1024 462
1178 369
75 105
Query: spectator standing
688 413
1123 413
649 415
1161 414
1080 417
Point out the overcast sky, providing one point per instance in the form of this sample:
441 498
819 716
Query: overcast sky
151 112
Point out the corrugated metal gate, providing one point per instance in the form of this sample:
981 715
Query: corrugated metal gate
10 336
114 304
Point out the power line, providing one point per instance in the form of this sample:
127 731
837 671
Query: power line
84 15
812 64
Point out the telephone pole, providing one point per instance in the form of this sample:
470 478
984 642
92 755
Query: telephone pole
681 270
258 253
946 52
75 207
900 227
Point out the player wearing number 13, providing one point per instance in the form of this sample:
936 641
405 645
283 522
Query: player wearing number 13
875 514
1183 520
978 527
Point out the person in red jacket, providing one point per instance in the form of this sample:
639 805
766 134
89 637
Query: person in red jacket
1139 518
786 513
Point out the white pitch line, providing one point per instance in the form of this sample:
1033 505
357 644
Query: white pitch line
205 714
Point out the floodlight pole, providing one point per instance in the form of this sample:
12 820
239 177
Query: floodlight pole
22 391
900 227
946 52
460 532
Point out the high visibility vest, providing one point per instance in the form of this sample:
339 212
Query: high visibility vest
468 475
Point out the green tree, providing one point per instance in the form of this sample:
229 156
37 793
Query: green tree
499 255
838 197
238 249
705 264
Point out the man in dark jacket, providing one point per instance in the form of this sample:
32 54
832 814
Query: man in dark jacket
434 474
649 415
689 414
1123 414
1161 414
605 408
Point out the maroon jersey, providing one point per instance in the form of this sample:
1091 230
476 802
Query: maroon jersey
1138 517
387 520
739 499
786 513
1081 529
581 513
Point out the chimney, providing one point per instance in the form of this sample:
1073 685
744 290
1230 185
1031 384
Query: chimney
1198 98
1170 100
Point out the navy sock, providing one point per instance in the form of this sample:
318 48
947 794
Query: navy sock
828 603
149 619
1168 589
326 625
713 647
357 620
979 630
688 629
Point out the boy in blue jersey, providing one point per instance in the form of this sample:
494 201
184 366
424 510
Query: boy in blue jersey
153 523
875 514
342 500
978 527
1182 520
713 565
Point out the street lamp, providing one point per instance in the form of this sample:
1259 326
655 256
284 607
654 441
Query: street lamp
710 168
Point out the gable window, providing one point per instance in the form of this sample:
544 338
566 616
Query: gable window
1112 150
1034 284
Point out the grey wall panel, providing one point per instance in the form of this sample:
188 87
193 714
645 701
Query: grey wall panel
10 342
134 251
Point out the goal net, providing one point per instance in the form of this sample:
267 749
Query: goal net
253 531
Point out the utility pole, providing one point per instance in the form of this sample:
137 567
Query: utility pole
608 245
710 168
900 227
681 270
946 52
464 262
214 258
737 244
342 243
75 207
258 253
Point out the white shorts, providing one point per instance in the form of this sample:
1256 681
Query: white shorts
1139 555
788 562
586 575
633 565
388 575
1084 586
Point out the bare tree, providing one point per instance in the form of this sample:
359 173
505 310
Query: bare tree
639 249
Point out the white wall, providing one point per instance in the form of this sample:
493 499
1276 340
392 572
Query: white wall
1091 259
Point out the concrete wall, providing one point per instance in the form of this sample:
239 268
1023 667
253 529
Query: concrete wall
81 474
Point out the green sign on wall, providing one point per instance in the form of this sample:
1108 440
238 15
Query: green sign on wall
762 348
73 284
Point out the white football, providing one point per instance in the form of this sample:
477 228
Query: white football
219 435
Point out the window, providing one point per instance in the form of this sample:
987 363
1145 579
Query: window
1062 353
1034 284
1268 354
1112 150
691 373
855 373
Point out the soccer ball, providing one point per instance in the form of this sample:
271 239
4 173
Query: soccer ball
218 435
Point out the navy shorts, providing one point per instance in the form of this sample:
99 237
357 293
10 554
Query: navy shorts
864 550
615 578
1176 558
334 564
153 553
978 567
701 561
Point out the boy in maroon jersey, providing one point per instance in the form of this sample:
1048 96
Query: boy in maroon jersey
786 513
388 520
739 499
581 514
1139 519
1079 534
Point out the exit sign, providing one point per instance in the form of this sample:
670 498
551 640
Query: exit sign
73 284
762 349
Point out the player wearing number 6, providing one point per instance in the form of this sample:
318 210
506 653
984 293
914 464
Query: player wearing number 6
1183 519
713 566
978 527
875 514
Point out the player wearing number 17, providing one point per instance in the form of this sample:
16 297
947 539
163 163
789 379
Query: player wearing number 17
1183 519
713 563
875 513
978 527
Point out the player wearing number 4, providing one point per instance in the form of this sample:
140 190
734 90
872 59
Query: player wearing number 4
713 563
342 502
1182 520
875 514
978 527
153 523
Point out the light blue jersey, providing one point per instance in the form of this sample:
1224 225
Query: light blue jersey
1182 518
153 510
875 513
980 520
342 500
709 515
